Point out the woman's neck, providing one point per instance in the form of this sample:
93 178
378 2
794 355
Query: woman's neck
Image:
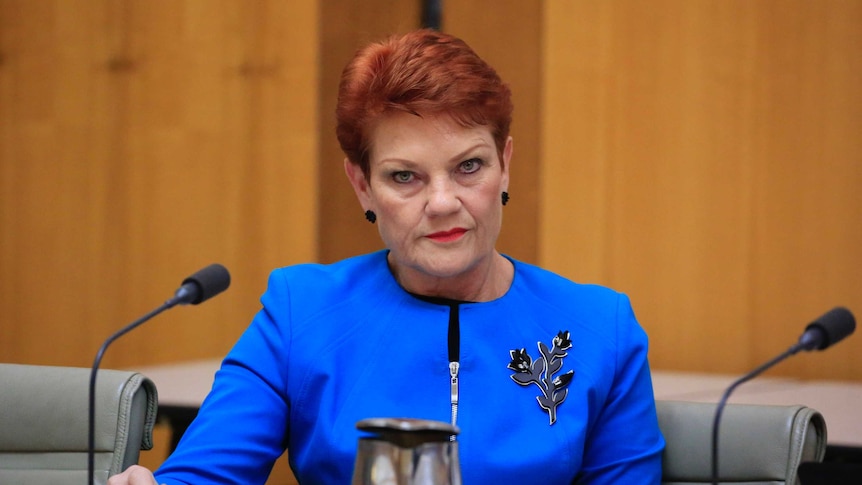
485 282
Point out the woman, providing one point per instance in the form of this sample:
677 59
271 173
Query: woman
437 326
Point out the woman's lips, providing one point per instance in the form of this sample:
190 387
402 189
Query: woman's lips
447 236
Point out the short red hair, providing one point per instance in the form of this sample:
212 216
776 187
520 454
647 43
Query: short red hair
421 72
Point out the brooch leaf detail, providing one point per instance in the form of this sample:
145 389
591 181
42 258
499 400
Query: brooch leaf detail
541 372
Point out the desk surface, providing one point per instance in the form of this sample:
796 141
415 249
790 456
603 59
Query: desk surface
186 384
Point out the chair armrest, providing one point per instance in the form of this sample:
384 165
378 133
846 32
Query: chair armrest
756 443
44 419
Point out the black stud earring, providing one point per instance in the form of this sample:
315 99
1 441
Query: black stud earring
371 216
505 196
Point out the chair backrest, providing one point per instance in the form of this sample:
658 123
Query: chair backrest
44 418
757 444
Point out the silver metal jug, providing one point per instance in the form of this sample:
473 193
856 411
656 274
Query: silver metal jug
404 451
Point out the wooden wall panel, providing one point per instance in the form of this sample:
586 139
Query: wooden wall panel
141 141
704 158
807 231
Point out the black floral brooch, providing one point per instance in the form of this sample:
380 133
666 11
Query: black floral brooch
541 372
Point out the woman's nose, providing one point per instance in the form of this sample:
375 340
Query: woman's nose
442 198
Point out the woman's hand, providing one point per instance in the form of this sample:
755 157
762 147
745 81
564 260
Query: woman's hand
134 475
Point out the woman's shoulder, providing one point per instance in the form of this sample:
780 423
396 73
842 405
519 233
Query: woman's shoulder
587 306
345 268
544 282
352 276
310 292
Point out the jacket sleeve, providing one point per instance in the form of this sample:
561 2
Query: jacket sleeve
625 444
241 428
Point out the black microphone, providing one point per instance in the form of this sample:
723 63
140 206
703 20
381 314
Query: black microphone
826 331
197 288
203 285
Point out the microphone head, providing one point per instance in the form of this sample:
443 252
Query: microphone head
204 284
829 329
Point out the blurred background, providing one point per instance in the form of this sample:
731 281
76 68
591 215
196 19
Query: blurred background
702 156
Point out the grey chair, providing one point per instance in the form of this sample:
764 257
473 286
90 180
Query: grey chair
757 444
44 416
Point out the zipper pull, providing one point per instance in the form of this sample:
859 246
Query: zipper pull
453 393
453 372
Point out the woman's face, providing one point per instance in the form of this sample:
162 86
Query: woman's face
435 187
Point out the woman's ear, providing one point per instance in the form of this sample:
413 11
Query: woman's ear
507 160
359 183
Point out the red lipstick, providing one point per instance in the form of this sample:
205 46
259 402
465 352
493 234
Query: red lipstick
447 236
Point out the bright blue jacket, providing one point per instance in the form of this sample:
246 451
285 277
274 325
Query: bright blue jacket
334 344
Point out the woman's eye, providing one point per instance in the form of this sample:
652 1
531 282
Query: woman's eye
470 166
402 177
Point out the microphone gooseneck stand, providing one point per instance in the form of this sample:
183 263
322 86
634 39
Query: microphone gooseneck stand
829 329
721 404
199 287
91 429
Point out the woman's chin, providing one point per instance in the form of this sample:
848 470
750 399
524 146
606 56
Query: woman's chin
432 268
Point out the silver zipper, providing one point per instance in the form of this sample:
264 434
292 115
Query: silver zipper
453 391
